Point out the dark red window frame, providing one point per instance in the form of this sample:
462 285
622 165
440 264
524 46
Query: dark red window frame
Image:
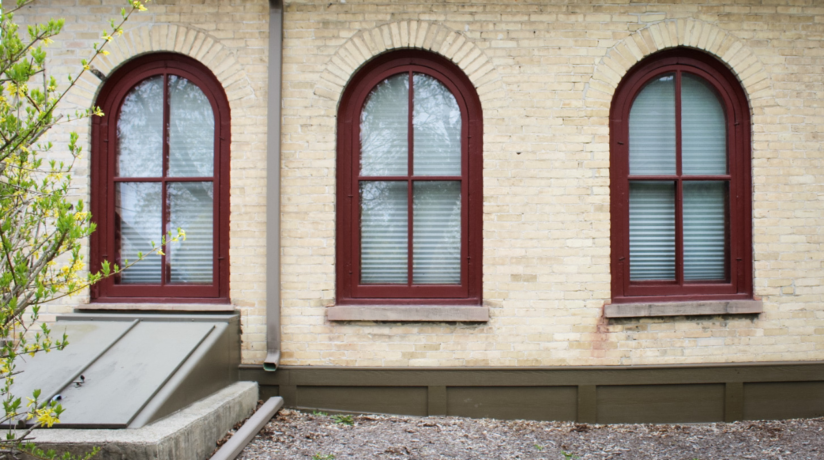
104 145
349 289
739 256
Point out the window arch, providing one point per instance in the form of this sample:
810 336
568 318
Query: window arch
160 161
680 182
409 191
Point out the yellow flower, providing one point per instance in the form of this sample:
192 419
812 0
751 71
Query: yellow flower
47 417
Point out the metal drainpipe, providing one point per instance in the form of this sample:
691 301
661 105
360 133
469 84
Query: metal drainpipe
272 360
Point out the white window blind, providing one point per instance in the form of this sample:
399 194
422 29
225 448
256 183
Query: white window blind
652 128
140 131
436 205
652 230
191 130
384 128
436 120
436 208
384 232
191 206
138 214
703 129
705 230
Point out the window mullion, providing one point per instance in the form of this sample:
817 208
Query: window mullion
164 269
679 187
411 172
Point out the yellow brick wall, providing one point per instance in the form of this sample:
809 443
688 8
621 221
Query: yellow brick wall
545 73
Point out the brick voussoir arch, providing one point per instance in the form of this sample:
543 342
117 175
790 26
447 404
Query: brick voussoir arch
167 38
689 33
431 36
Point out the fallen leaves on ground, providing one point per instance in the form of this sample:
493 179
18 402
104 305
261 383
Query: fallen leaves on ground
298 435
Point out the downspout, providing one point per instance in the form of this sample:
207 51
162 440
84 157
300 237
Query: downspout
272 360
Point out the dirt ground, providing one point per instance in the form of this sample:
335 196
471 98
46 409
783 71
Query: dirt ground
318 436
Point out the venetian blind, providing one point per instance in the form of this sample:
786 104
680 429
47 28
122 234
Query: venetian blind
705 230
652 128
436 121
191 130
191 206
139 224
140 131
436 220
652 230
384 232
436 210
703 129
384 128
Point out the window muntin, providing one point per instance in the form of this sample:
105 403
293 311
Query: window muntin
162 151
406 172
679 173
427 145
186 152
676 128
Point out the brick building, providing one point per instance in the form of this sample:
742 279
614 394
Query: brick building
531 291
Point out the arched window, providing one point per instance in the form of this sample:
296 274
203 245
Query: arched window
409 184
680 182
160 161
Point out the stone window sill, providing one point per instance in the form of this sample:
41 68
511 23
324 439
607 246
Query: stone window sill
724 307
171 307
413 313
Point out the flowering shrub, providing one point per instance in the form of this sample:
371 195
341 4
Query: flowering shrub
41 227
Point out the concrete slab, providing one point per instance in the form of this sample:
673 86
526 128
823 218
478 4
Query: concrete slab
189 434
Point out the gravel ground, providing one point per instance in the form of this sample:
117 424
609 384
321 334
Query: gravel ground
299 435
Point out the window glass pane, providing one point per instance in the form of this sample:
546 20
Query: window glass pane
138 210
140 131
705 230
703 128
191 130
436 123
651 231
436 232
384 232
652 128
191 206
384 128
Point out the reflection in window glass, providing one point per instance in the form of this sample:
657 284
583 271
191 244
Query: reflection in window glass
436 232
384 232
703 128
652 128
137 209
191 207
140 131
436 120
191 130
384 128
